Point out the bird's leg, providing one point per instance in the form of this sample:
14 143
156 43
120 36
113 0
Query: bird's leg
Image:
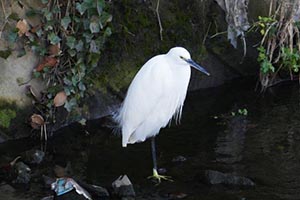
155 175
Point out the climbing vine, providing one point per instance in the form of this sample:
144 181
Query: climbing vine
279 48
70 39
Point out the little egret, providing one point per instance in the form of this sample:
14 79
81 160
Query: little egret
155 95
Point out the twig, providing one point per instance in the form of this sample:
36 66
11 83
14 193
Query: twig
159 22
208 28
219 33
5 20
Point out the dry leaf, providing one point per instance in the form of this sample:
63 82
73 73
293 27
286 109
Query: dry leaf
23 27
36 121
54 49
37 95
60 99
47 62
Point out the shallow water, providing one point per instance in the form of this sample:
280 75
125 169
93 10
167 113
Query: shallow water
263 146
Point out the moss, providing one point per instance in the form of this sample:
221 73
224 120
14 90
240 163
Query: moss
136 38
8 112
6 115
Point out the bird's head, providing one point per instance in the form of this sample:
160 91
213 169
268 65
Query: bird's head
182 56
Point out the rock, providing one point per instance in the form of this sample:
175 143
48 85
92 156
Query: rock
178 195
216 177
179 159
34 156
48 198
6 189
8 192
123 188
21 173
97 192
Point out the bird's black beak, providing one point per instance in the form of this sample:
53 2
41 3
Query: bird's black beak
196 66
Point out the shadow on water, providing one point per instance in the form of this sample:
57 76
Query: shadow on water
262 146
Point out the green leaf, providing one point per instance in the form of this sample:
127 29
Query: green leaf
81 8
67 81
100 6
69 105
88 37
36 74
65 22
81 86
94 27
71 52
44 1
86 24
53 38
79 46
74 80
47 14
107 32
105 18
94 48
12 37
71 42
4 54
67 91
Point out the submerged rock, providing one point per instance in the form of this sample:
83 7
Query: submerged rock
21 173
96 191
122 187
34 156
179 159
216 177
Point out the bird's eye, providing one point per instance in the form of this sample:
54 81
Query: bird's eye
183 58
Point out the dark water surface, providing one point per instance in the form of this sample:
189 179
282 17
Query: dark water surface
263 146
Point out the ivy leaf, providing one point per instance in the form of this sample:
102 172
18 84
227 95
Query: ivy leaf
79 46
94 48
71 42
53 38
74 80
81 8
107 32
67 81
36 74
105 18
100 6
69 105
12 37
88 37
81 86
47 14
65 22
94 27
71 52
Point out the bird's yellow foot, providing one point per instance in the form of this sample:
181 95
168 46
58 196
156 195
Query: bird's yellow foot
158 178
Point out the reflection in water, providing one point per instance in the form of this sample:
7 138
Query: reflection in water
230 143
263 146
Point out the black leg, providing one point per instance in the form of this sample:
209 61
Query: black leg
153 150
156 176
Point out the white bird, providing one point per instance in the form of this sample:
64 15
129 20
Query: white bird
155 95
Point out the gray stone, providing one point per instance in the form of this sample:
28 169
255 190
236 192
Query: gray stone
216 177
122 187
22 173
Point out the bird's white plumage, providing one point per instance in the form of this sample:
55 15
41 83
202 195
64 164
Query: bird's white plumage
155 95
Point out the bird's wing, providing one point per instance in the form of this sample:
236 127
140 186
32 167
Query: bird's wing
144 93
